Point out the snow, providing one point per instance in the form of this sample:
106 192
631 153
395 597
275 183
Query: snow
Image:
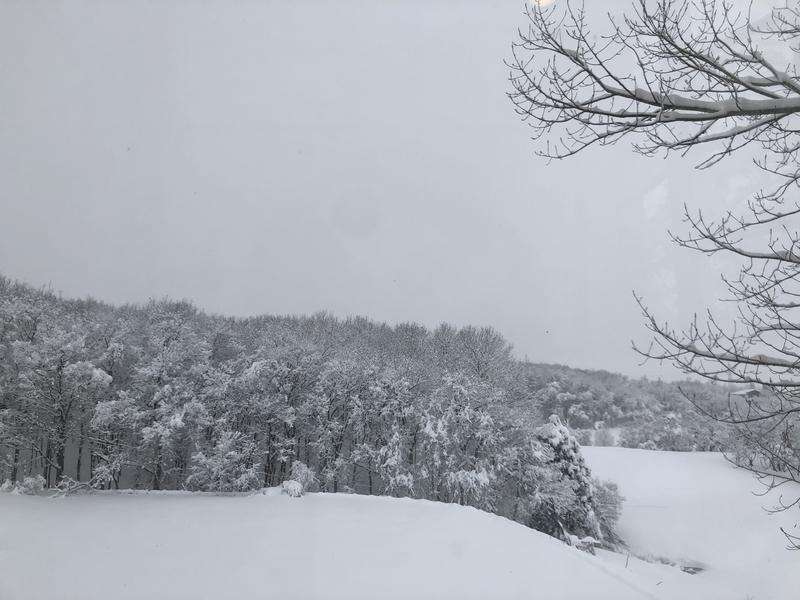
292 488
696 509
180 545
693 509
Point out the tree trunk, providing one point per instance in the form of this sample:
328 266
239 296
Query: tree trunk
59 460
14 464
156 483
81 442
46 457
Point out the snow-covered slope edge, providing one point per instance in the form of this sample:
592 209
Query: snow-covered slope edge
696 508
182 546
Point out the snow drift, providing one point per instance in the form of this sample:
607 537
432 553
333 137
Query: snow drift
197 546
690 509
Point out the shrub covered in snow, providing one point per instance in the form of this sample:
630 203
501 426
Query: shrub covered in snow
29 486
292 488
570 514
608 508
305 476
603 437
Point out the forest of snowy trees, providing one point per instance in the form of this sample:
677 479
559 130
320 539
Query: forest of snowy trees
164 396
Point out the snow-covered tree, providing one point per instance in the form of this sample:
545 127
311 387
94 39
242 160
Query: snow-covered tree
576 516
681 76
163 396
227 467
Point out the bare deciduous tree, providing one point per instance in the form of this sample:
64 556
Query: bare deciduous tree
675 75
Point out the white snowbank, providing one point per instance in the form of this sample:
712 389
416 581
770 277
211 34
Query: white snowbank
198 546
694 509
697 509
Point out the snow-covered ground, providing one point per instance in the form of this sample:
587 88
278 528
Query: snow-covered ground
697 509
190 546
685 507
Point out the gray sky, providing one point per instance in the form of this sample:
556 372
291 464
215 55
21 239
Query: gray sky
357 157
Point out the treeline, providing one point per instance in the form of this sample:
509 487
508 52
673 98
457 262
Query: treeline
607 409
165 396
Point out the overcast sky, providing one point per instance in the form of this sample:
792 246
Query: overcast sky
356 157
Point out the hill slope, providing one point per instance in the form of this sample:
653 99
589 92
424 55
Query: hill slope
689 508
181 546
696 509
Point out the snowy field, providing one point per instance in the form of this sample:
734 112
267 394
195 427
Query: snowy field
684 507
175 545
695 509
